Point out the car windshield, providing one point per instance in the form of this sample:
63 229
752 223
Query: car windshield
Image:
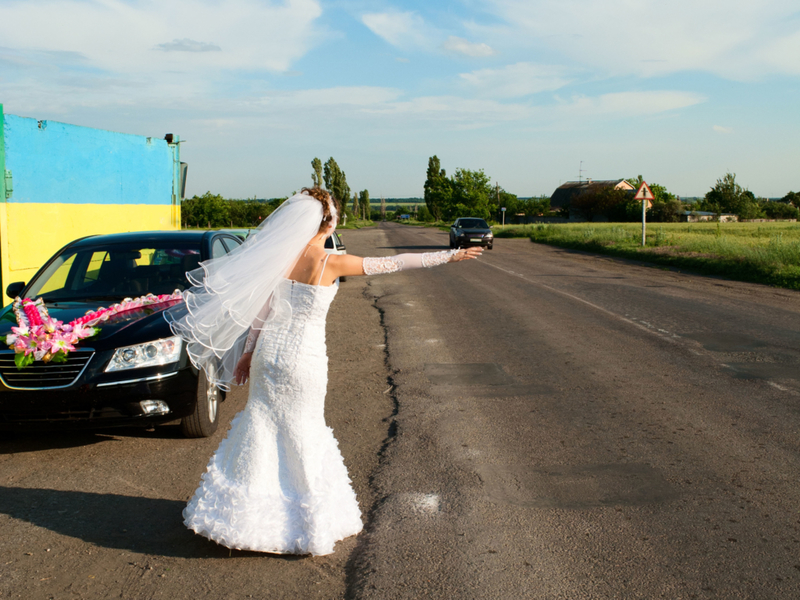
472 224
116 271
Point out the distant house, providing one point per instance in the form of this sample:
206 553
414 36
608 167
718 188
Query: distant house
565 193
697 216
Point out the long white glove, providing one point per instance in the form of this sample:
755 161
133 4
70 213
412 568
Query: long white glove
403 262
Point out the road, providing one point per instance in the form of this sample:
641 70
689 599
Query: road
540 423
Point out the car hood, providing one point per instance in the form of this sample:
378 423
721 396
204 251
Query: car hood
130 327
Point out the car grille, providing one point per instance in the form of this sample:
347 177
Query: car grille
42 376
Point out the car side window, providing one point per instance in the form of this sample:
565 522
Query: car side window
230 243
218 248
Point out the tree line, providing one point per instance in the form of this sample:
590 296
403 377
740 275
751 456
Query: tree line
212 210
725 197
470 194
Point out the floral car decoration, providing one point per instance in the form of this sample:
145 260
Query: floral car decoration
40 337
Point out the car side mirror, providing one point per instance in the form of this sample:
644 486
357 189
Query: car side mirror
13 289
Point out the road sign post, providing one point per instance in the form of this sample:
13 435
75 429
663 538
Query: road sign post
503 210
646 196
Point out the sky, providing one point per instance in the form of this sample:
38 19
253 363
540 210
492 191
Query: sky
534 92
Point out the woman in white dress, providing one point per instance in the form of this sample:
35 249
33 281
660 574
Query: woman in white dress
278 483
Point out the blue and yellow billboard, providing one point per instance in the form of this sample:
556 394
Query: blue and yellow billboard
61 182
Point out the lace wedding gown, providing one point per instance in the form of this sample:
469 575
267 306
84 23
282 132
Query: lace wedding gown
277 482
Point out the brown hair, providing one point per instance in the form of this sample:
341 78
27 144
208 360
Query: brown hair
324 197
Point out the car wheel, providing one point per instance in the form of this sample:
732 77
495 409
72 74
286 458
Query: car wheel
489 247
452 245
205 418
342 279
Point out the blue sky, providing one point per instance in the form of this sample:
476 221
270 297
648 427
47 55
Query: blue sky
679 91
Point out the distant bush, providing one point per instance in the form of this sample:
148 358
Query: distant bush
779 210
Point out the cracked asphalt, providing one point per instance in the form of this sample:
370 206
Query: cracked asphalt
537 424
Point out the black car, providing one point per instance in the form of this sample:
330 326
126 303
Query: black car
135 371
471 231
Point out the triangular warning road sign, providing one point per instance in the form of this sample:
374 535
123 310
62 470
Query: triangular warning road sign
644 192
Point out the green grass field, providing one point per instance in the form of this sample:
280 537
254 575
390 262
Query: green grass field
766 253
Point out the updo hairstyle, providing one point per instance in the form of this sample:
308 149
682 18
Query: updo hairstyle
327 201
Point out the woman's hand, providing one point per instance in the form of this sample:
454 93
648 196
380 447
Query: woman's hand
467 253
242 371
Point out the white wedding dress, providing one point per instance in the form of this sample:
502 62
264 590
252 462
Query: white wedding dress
278 483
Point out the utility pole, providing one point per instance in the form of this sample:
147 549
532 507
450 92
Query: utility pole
580 172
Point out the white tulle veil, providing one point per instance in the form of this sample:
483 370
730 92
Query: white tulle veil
230 291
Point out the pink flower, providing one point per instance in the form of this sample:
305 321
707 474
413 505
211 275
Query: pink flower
59 342
80 331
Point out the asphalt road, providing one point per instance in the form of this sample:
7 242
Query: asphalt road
572 426
537 424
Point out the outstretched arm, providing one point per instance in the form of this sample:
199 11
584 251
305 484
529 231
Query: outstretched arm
349 265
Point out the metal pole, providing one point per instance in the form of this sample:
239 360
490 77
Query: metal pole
644 226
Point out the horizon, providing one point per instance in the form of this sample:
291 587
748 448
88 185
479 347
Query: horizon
534 93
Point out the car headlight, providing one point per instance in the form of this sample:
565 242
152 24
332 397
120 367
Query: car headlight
489 234
149 354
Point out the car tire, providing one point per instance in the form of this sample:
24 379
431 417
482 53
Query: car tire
452 245
204 420
489 247
342 279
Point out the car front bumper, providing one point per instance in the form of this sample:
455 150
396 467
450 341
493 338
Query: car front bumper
106 404
474 240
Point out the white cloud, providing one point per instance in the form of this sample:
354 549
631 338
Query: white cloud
459 45
187 45
400 29
513 81
721 129
631 103
737 39
126 37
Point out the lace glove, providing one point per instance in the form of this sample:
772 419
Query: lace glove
403 262
256 327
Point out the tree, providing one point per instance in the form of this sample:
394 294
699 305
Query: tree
316 176
363 201
779 210
508 201
792 198
423 214
665 207
636 181
356 214
208 210
438 189
472 193
727 196
336 182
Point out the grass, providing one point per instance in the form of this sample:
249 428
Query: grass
355 224
443 225
767 253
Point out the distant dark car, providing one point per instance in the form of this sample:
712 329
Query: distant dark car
471 231
135 371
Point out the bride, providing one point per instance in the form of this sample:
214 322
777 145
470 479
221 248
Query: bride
277 483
